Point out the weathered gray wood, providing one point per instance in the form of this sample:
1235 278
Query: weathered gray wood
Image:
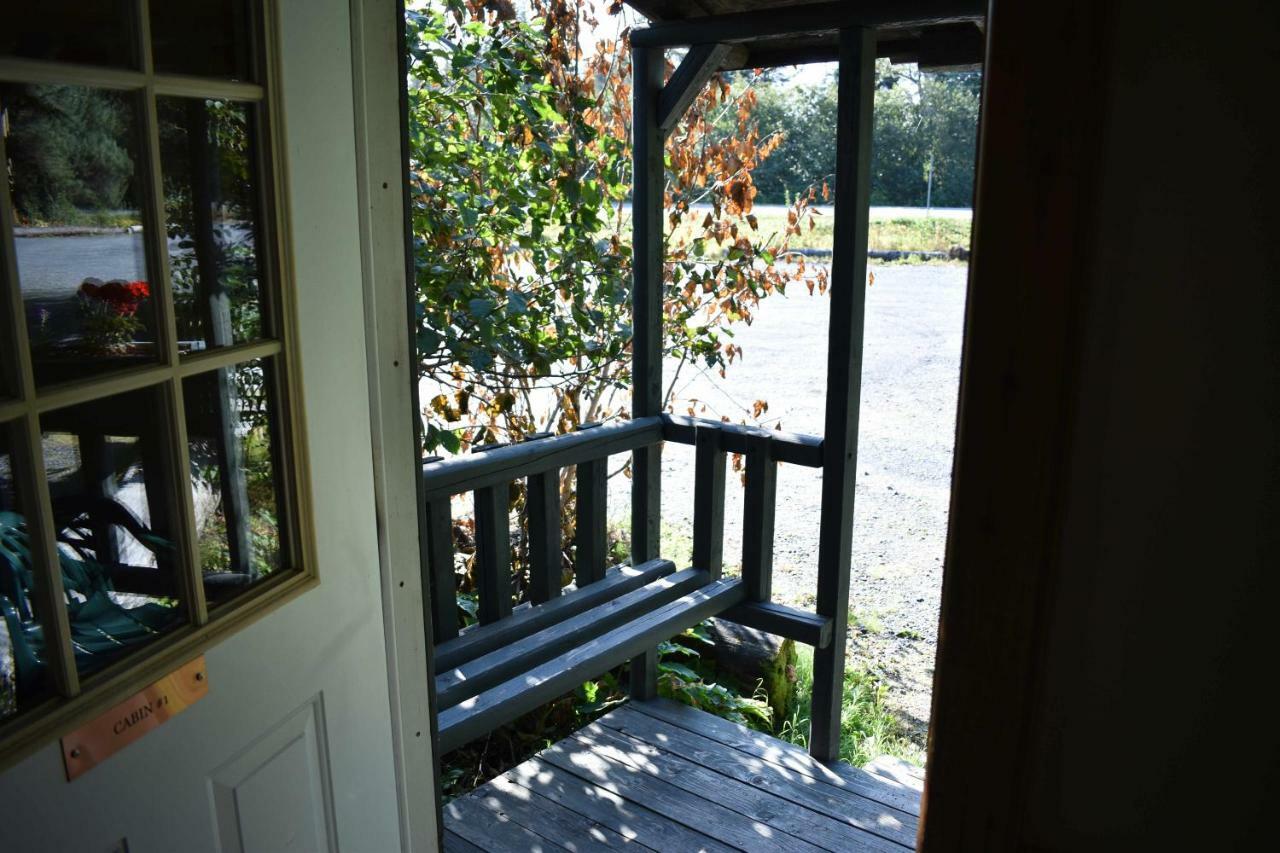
493 552
455 843
799 625
855 94
950 47
439 571
510 462
893 826
481 826
478 640
510 699
647 70
579 757
763 796
546 817
469 679
627 818
897 771
789 756
790 447
811 18
699 65
708 502
760 498
591 546
545 553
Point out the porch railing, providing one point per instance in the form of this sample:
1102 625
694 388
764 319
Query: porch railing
515 659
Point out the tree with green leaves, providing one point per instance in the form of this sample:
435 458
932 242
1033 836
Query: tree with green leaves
920 118
520 170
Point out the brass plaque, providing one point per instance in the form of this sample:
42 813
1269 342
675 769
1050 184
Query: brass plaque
142 712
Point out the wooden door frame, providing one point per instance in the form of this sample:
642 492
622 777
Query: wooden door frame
1039 149
378 58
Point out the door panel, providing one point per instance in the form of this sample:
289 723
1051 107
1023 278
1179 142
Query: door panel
276 795
291 748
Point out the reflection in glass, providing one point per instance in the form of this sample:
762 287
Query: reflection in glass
210 190
93 32
231 428
205 37
78 236
24 678
104 461
209 38
9 382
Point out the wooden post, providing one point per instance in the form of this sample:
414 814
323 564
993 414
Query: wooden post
646 346
438 567
493 552
759 502
543 497
708 502
856 89
590 532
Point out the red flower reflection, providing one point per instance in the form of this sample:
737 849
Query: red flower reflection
123 297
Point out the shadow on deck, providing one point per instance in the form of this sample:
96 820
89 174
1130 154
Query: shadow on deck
662 776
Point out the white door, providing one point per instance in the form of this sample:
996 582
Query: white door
292 747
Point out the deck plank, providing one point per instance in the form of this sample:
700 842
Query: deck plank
756 802
489 831
548 818
847 807
658 776
607 808
898 771
716 820
455 843
788 755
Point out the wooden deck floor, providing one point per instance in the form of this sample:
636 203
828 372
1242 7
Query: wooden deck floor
661 776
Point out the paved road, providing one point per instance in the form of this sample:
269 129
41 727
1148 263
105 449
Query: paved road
907 430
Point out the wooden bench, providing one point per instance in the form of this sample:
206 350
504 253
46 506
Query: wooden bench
518 658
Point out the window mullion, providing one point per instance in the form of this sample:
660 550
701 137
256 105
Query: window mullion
178 455
10 288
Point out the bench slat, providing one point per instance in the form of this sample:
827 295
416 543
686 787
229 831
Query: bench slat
480 674
482 639
476 716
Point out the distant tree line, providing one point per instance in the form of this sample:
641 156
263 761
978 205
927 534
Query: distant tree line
919 118
68 150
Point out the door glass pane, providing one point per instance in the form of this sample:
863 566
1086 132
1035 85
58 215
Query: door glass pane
231 428
75 185
93 32
23 675
205 37
104 461
210 192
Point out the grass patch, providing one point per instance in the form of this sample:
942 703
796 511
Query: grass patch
867 728
75 218
902 235
869 622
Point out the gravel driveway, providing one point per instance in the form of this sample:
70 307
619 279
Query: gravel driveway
910 379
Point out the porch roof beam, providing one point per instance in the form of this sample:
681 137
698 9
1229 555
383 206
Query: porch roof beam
949 47
698 66
799 20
